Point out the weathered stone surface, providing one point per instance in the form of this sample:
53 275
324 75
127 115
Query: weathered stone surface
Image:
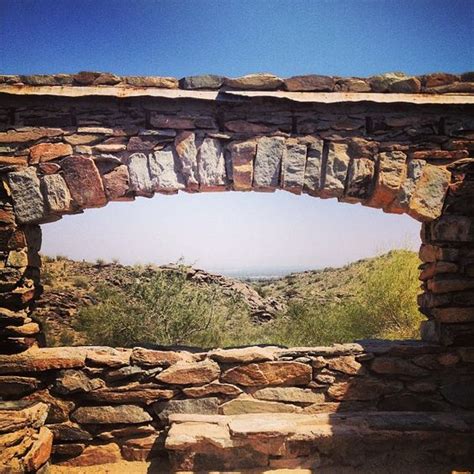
268 163
76 381
101 415
391 173
428 197
117 183
248 128
293 166
17 416
314 168
202 406
17 258
438 79
353 84
142 449
26 194
84 182
192 373
245 404
187 151
206 81
393 365
359 180
17 386
242 157
214 388
56 194
401 202
337 166
40 451
409 85
144 393
155 358
28 134
165 171
69 431
289 394
49 151
92 455
383 82
108 357
211 165
269 373
254 82
363 388
37 360
243 354
140 175
311 82
345 364
454 314
152 81
59 409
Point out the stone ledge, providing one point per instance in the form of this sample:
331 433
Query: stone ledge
233 95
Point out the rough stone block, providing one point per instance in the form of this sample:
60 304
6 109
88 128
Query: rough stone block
165 171
242 157
56 194
293 167
268 163
359 180
337 166
117 184
187 151
140 175
26 194
211 165
84 182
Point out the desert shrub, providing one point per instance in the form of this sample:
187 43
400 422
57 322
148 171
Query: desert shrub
47 277
60 258
100 262
165 309
80 282
66 338
384 306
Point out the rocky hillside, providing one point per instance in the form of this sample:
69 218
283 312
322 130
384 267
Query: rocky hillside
70 285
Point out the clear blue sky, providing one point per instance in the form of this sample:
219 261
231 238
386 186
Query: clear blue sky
234 37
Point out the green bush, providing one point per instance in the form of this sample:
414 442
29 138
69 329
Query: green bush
165 309
384 306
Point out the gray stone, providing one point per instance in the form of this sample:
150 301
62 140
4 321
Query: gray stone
206 81
359 180
165 171
414 170
313 171
254 82
56 193
186 149
139 173
268 163
293 167
382 82
211 164
26 194
409 85
100 415
337 166
201 406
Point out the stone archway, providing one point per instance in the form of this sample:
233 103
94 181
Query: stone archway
403 145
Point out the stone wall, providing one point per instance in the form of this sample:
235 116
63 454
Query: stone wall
107 404
401 144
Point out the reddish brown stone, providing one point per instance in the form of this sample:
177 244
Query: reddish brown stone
40 452
13 160
142 449
454 315
242 126
154 358
83 180
363 388
440 154
33 134
49 168
242 156
190 373
117 183
49 151
438 79
92 455
345 364
310 82
269 373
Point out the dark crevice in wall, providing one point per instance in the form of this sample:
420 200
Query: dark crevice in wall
294 125
442 126
324 163
11 116
72 116
147 118
369 125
